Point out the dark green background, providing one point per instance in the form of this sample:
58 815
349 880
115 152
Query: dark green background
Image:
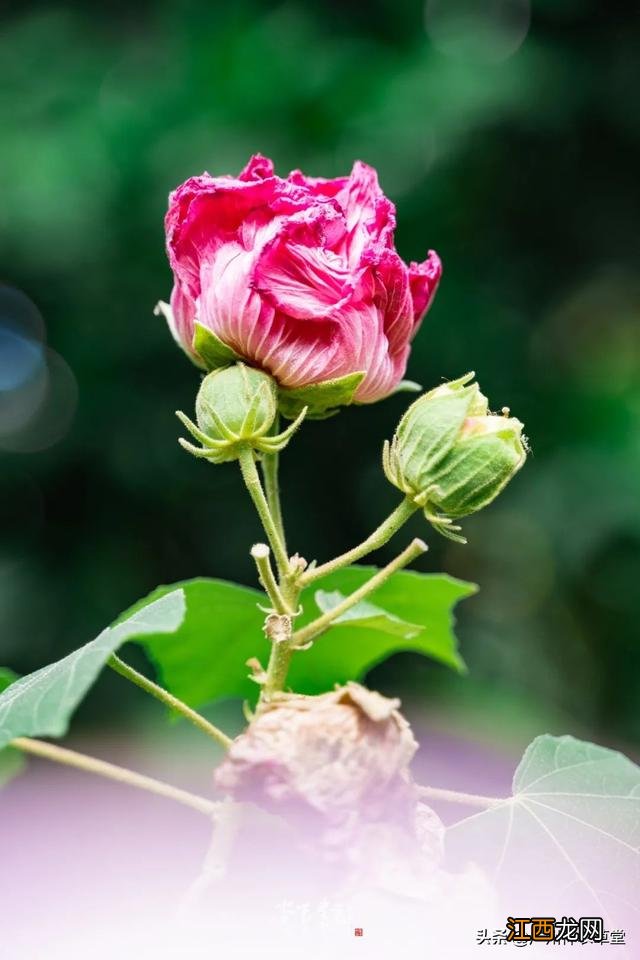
521 170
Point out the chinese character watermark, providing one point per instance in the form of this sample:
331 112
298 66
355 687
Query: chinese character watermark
521 931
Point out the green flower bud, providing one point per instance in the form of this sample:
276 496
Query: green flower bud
451 455
236 408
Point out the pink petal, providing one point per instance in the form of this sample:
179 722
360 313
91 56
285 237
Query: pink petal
258 168
297 273
298 276
369 214
424 279
206 212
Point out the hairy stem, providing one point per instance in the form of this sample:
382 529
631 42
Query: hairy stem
316 627
377 539
278 668
260 553
169 700
452 796
251 478
81 761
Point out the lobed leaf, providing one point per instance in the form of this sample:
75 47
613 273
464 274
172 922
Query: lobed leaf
568 839
205 659
350 650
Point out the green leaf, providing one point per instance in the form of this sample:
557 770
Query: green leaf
349 650
205 659
11 761
41 703
323 399
573 820
213 352
7 677
366 615
11 764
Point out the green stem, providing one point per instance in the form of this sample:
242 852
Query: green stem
270 466
81 761
452 796
314 629
378 538
169 700
260 553
251 478
278 667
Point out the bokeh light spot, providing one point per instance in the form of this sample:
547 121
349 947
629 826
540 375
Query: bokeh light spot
20 359
485 31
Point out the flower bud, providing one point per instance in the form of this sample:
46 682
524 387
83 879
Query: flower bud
236 408
451 455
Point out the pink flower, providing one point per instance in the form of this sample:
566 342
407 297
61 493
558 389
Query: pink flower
298 276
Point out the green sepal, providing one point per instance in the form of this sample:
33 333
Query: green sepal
210 348
322 399
406 386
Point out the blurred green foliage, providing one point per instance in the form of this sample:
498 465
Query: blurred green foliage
512 147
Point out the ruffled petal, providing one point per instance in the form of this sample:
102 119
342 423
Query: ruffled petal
206 212
424 279
369 215
298 276
318 187
298 272
258 168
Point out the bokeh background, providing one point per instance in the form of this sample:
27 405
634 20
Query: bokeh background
508 134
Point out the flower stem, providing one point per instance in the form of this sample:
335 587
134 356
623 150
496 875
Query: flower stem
316 627
377 539
260 553
251 478
169 700
270 466
452 796
81 761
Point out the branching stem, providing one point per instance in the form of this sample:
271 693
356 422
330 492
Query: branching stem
81 761
316 627
377 539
